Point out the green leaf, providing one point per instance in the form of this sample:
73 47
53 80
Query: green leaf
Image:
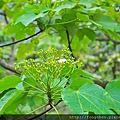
89 33
69 15
87 3
20 86
78 82
75 45
35 100
84 43
26 18
113 34
72 28
2 3
35 40
8 99
80 34
29 17
63 36
30 81
18 29
45 9
117 29
113 89
82 17
9 82
68 5
59 82
30 29
83 73
11 109
24 49
107 23
86 73
88 98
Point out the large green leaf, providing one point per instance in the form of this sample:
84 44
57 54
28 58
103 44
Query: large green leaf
8 99
88 98
113 89
29 17
78 81
82 73
11 109
108 23
18 29
72 28
89 33
9 82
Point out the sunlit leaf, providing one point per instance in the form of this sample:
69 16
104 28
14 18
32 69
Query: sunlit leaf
107 23
113 89
29 17
9 82
88 98
8 98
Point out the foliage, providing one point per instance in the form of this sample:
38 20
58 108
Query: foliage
60 48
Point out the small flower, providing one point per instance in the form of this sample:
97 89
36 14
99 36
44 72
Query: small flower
62 60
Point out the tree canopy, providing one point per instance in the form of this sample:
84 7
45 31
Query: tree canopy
59 52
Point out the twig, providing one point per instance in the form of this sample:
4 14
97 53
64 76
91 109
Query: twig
2 13
7 66
5 17
69 42
12 54
114 41
6 20
12 43
44 111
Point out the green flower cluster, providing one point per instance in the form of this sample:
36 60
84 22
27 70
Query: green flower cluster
51 64
52 70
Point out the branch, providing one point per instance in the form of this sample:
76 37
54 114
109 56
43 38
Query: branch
12 43
5 17
6 20
114 41
7 66
69 42
12 53
44 111
2 13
